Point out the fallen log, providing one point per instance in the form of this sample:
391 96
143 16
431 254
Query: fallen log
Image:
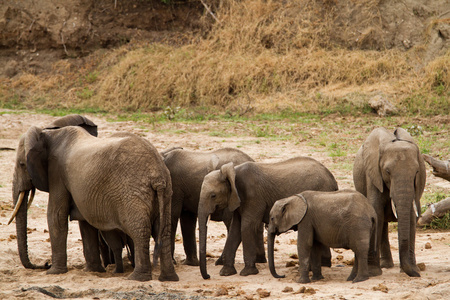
440 168
435 210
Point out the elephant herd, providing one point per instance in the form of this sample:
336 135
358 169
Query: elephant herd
122 191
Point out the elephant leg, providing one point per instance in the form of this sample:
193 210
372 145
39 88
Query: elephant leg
114 241
304 246
386 255
188 222
91 248
231 246
374 252
227 222
176 214
316 261
260 252
130 249
354 270
325 256
360 269
249 241
141 239
57 217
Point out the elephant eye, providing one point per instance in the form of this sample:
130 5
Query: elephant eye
213 196
388 171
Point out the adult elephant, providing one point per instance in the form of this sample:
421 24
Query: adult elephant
187 170
249 190
389 170
117 183
23 186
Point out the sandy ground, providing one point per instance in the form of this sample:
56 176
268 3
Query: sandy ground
16 282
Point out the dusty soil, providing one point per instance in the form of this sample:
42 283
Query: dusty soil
432 248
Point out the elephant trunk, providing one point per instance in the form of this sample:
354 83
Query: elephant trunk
270 250
21 230
203 230
406 231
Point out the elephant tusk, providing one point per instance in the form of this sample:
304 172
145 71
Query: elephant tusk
16 208
415 208
393 209
33 191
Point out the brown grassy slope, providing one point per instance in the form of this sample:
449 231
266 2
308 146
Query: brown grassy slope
267 54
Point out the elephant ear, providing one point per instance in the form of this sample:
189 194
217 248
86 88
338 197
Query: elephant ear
230 174
213 163
404 135
371 155
293 210
36 154
420 180
75 120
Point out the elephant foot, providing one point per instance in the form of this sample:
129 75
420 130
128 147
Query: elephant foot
411 272
139 276
375 271
317 277
118 270
304 279
261 259
249 271
386 263
227 271
360 278
219 261
168 277
55 270
351 276
193 261
94 268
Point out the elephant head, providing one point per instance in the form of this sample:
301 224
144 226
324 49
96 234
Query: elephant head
218 192
27 177
284 215
394 165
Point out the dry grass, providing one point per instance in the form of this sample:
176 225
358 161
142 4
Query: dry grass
267 54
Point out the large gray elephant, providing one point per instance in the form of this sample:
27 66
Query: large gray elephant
117 183
22 183
342 219
389 170
249 190
187 170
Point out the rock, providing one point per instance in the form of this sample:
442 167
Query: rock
421 266
291 263
288 289
221 291
382 106
428 246
305 290
263 293
381 287
294 256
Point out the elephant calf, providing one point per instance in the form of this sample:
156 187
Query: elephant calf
341 219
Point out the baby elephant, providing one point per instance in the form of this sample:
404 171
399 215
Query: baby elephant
341 219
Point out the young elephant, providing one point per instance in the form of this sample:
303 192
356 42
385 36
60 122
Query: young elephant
249 190
341 219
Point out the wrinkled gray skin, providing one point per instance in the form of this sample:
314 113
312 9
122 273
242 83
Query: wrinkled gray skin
249 190
22 183
187 170
389 170
98 177
342 219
